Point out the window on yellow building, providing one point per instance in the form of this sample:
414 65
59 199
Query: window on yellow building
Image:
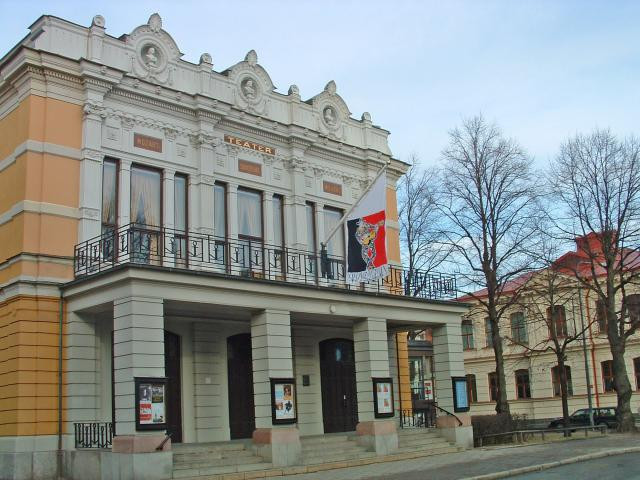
488 332
467 335
493 386
557 321
601 316
523 387
607 375
555 379
518 328
472 393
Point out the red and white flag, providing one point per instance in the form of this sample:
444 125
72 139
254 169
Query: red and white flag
366 235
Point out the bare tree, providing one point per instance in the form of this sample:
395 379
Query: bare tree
419 219
596 179
546 298
488 199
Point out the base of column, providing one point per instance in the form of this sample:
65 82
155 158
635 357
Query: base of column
280 446
380 436
90 463
449 427
139 443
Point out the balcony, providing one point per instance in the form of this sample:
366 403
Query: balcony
155 247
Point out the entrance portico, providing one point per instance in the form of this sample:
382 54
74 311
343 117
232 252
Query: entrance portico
293 329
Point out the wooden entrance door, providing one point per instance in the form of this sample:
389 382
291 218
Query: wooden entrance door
174 397
338 380
242 420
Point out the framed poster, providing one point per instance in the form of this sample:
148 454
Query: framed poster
460 397
151 403
383 397
428 389
283 401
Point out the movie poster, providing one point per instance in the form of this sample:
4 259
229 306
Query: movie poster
384 399
151 404
284 401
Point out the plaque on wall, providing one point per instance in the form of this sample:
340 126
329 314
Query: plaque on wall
147 143
332 188
460 397
383 397
283 401
151 403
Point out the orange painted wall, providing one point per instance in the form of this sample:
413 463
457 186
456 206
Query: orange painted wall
403 370
29 366
29 324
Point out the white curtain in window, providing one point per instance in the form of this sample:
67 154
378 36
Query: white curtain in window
249 214
109 175
180 203
219 211
145 197
335 246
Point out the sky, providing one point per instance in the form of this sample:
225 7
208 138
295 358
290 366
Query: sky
541 70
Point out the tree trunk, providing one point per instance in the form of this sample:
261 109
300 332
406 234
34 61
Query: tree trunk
502 405
564 393
626 422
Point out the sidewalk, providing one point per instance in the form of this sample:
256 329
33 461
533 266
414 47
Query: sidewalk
479 461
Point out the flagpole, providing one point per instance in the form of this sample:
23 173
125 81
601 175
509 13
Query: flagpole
344 217
324 258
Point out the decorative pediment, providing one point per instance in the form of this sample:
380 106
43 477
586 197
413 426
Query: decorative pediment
153 52
251 84
330 110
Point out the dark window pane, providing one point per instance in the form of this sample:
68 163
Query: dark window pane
109 189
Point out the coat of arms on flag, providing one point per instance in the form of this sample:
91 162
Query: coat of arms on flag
366 236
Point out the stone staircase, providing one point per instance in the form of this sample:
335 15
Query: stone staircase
236 459
332 448
213 459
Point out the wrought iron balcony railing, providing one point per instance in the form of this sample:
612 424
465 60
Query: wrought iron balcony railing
169 248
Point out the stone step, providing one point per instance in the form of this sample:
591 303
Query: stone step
421 441
431 450
198 456
208 471
221 462
407 432
209 447
330 447
329 438
319 458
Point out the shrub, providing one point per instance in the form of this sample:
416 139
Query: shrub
491 424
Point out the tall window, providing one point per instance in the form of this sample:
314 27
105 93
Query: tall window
632 308
311 227
250 228
555 380
180 217
335 246
601 316
109 206
278 221
523 387
518 328
146 214
467 335
488 332
607 375
557 321
636 367
220 210
472 393
493 386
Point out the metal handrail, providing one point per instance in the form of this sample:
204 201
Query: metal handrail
520 434
165 247
449 413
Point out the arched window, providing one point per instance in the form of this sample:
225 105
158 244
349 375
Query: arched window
472 393
557 321
467 335
518 328
523 387
555 379
493 386
607 375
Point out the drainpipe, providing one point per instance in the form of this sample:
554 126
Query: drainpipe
60 330
593 349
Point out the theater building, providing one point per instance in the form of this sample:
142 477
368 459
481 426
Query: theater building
160 278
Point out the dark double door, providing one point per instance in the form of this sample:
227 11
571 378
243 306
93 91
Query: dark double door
242 421
338 381
172 361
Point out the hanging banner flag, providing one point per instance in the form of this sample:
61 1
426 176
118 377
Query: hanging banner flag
366 235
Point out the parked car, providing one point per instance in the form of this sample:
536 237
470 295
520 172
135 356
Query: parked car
601 416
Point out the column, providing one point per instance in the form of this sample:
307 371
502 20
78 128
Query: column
372 361
272 358
232 211
138 351
124 193
90 201
449 362
267 211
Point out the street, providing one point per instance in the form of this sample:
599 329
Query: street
610 468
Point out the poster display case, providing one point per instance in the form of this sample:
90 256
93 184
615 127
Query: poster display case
283 401
383 397
151 403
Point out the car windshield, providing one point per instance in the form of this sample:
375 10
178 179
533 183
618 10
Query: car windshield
579 413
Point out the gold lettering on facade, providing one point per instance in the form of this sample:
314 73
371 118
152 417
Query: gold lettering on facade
147 143
249 167
333 188
250 145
